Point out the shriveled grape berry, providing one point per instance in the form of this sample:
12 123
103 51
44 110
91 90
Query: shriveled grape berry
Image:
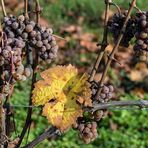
29 28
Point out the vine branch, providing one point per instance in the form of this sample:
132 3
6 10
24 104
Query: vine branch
139 103
51 134
3 8
26 8
34 77
38 11
117 7
2 95
115 48
2 120
104 43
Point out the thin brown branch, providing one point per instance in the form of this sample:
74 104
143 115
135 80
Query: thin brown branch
51 134
138 9
59 37
113 104
26 8
38 11
115 48
3 8
117 7
103 45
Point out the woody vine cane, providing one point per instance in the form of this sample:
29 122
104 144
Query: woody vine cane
22 38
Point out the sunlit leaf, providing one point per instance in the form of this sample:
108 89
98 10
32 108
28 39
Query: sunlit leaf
63 92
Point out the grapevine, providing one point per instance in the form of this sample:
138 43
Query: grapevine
67 98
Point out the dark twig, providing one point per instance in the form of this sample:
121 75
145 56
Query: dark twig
29 113
103 45
3 8
115 48
34 77
51 134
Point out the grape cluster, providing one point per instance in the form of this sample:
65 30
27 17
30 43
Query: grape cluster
115 25
105 95
141 44
19 33
88 131
41 38
12 51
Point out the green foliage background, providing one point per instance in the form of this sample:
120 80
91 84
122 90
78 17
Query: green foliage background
131 126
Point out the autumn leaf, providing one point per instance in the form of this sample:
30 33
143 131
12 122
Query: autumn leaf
63 92
62 114
54 80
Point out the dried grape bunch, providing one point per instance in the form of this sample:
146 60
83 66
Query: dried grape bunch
11 51
39 37
87 125
19 34
87 131
43 40
141 44
105 95
115 25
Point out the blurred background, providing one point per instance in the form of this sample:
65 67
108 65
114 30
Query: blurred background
80 22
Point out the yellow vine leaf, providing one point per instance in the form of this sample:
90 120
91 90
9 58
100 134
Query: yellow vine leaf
63 93
62 114
54 80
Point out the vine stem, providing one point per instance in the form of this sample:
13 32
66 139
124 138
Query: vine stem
115 48
26 8
3 8
2 97
29 113
138 9
2 119
53 132
38 11
103 45
117 7
140 103
34 79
